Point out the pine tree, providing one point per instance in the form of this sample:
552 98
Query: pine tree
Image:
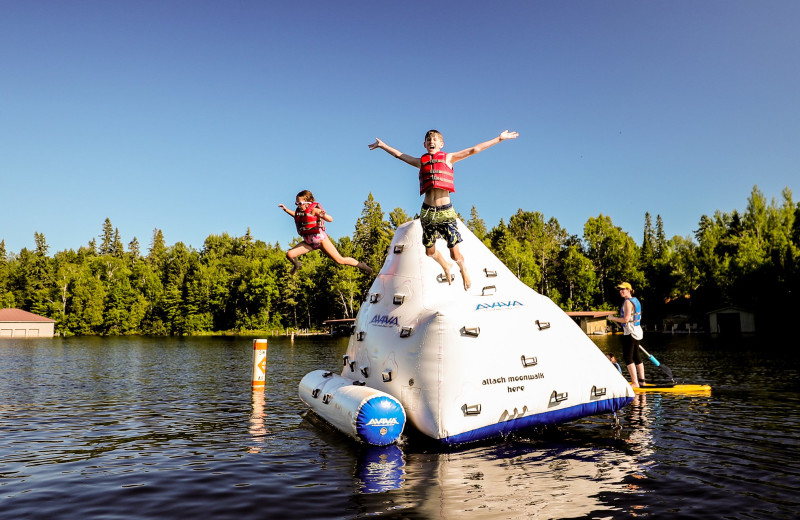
371 236
661 239
648 242
476 224
38 277
133 249
158 251
107 238
755 218
397 217
117 249
6 298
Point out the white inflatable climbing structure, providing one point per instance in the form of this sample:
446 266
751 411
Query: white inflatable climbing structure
459 365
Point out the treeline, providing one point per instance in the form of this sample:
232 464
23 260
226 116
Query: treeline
241 284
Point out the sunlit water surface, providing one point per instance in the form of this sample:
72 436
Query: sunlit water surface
169 428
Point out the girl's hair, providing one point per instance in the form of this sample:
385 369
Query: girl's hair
306 195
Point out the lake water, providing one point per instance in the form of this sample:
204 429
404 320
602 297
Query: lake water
134 428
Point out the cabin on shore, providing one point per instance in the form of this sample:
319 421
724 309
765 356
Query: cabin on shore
340 327
16 323
731 320
592 322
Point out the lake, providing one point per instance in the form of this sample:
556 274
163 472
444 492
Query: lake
140 427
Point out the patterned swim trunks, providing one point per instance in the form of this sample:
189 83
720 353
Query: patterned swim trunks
439 221
315 241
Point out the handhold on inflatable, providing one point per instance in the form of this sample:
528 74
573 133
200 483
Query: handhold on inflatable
470 365
356 410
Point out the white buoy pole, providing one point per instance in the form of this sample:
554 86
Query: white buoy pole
259 363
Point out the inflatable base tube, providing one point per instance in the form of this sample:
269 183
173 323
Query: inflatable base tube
540 419
361 412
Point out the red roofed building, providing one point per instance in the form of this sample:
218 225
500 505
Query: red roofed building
16 323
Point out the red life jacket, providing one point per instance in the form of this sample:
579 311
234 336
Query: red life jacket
435 173
307 223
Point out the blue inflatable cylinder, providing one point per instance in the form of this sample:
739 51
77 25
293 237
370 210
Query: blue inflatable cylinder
359 411
381 417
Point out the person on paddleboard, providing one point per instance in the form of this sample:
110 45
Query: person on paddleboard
310 218
613 359
438 218
630 316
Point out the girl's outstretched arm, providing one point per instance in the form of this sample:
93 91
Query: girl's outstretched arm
321 213
287 210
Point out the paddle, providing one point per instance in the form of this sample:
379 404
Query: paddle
664 368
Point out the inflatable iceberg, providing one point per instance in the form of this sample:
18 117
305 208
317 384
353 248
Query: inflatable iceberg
475 364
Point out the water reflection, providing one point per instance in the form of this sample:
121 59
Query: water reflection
380 468
258 422
555 474
638 417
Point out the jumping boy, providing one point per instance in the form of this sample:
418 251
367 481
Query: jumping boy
310 218
438 217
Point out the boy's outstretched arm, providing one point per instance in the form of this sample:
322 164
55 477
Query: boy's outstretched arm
463 154
413 161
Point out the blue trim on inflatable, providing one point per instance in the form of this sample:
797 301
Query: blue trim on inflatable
380 420
541 419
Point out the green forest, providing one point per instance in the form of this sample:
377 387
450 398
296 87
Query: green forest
242 285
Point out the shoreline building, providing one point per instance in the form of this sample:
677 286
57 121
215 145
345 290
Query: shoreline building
592 322
16 323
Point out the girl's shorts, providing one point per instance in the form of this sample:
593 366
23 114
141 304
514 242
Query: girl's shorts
315 241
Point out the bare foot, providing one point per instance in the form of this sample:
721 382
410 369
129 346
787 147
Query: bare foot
464 275
446 268
364 267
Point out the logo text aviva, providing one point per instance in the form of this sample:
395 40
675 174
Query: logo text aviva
498 305
383 421
384 320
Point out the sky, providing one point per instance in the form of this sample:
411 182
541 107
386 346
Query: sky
199 117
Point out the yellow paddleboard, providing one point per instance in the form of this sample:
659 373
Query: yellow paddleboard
675 389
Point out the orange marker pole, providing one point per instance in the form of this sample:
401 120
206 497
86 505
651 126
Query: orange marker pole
259 363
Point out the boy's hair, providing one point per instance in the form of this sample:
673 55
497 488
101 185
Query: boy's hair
433 132
306 195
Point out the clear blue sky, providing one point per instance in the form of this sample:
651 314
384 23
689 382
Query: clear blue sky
199 117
